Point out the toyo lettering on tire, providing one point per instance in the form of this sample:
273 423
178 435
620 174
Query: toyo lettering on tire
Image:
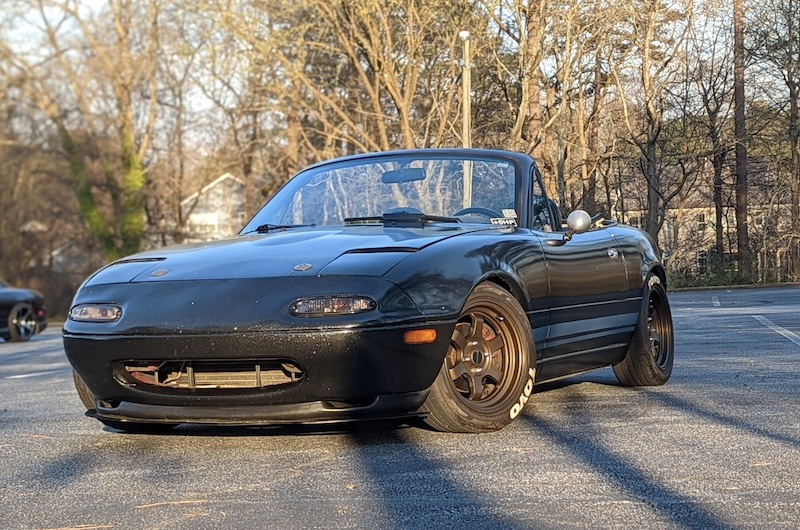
487 375
648 361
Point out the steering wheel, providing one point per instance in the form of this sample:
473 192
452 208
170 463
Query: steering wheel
477 210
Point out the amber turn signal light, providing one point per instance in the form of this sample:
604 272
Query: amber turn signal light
419 336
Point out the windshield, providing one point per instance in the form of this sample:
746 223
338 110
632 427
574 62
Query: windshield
369 189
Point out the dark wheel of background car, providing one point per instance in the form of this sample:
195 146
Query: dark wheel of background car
477 210
86 397
21 322
652 349
485 379
135 427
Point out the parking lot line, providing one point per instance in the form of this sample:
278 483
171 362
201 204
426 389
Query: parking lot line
777 329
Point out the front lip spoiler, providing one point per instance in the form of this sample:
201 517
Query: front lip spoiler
382 407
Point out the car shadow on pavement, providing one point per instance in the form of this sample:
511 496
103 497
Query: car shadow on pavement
718 418
634 484
421 490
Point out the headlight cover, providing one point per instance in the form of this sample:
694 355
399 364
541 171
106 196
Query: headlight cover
325 306
95 313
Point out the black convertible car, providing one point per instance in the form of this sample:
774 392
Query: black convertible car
22 313
440 284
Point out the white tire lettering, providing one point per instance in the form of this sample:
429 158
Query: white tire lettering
526 394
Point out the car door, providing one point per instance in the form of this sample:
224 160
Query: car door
589 322
587 304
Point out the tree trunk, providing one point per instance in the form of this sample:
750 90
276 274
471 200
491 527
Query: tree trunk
740 131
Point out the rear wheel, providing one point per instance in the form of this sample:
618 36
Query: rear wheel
652 349
22 322
486 377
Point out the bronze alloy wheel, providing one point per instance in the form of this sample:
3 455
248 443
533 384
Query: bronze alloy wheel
483 358
486 378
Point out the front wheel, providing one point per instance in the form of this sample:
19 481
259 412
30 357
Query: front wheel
652 349
83 392
487 376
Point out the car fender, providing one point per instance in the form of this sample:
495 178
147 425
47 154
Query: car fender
439 278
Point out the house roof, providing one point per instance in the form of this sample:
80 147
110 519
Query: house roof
216 182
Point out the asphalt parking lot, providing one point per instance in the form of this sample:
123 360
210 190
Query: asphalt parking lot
717 447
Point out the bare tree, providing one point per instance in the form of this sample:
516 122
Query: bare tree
742 237
776 46
93 75
658 29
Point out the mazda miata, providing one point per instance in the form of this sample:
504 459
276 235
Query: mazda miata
439 284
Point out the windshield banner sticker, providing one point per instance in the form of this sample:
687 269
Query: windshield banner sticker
504 221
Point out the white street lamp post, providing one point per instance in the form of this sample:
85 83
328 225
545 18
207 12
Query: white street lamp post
466 116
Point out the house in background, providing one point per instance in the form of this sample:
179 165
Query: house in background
216 211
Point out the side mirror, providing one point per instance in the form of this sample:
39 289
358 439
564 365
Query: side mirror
578 222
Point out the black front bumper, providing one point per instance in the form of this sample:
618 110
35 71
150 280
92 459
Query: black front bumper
393 406
347 374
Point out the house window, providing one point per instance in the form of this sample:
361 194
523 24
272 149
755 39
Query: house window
634 221
702 262
241 219
701 222
204 223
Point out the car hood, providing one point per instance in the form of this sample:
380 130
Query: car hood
14 295
360 250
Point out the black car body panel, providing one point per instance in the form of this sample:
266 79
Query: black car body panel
195 315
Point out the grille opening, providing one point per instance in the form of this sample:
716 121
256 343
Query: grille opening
213 374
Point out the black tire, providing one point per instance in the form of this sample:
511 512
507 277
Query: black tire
486 377
650 355
83 392
22 323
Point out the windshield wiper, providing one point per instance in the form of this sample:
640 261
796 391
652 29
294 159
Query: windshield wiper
263 229
403 218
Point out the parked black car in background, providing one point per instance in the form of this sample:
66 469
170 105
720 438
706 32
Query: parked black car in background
22 313
436 283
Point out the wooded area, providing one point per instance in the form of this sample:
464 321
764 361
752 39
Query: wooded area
114 112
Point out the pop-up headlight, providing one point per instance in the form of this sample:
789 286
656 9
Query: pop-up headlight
325 306
95 313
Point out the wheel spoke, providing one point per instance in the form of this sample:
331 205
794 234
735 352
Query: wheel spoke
477 328
476 387
458 371
458 338
494 373
655 337
496 343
